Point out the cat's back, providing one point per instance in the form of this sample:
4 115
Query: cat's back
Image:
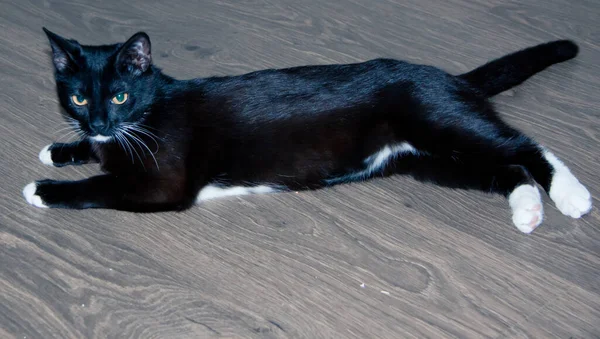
306 79
283 93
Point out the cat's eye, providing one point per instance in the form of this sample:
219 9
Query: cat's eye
79 100
120 98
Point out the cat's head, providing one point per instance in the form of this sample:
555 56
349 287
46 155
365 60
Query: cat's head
104 88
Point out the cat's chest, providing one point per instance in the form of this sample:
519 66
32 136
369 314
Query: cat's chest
127 159
119 159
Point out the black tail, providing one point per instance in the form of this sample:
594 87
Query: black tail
511 70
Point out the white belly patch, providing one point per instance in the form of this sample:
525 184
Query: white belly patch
377 161
214 192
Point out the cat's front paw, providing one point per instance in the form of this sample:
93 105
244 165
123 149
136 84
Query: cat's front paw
46 156
31 194
59 155
526 204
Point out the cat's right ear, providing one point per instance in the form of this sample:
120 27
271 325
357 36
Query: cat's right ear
134 56
64 52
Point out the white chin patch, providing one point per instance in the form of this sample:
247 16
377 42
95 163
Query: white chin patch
33 199
100 138
46 156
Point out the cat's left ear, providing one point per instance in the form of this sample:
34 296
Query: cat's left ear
134 56
65 53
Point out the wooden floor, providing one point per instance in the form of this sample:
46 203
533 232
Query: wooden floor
390 258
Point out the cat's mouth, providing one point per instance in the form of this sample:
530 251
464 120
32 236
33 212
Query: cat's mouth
100 138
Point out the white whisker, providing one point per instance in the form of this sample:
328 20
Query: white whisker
75 128
64 129
67 136
131 134
71 138
144 128
128 145
125 133
119 137
149 134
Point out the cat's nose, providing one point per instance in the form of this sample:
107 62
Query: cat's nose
99 127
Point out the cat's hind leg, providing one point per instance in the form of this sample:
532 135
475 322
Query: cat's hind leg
512 181
569 195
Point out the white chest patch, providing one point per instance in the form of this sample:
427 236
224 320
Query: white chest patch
214 192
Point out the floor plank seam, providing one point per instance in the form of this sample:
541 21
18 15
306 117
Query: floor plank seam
526 318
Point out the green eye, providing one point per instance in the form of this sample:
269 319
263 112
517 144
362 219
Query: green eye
120 98
79 100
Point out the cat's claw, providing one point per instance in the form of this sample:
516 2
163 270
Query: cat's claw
29 192
46 156
526 204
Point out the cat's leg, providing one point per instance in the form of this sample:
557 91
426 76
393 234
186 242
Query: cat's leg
569 195
513 147
59 155
111 192
512 181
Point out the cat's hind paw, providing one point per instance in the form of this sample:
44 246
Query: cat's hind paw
526 204
571 197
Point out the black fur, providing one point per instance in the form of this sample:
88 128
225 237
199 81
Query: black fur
292 129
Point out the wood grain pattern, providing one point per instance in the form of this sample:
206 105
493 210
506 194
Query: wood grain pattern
292 265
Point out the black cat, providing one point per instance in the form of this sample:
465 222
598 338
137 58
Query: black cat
167 144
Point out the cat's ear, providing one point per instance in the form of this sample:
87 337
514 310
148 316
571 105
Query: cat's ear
64 52
134 56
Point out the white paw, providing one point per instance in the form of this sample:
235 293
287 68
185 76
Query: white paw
29 194
46 156
526 204
570 196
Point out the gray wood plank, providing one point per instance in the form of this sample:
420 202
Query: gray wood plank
291 265
573 315
235 270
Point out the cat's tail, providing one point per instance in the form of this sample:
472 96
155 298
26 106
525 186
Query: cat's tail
501 74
